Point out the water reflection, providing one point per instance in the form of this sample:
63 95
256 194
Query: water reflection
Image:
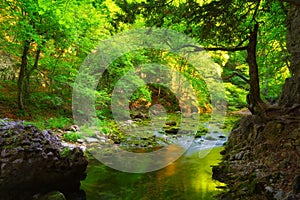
188 178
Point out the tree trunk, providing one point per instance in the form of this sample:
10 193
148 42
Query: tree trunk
291 89
22 74
26 86
29 72
255 104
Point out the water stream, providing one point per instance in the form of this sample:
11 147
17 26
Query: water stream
188 178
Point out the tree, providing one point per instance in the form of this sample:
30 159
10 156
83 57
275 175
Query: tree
228 25
27 27
291 89
49 38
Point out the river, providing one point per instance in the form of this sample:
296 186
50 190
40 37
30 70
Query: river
187 178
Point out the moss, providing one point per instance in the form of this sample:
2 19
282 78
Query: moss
201 131
65 152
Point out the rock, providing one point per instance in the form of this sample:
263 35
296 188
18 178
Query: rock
171 123
269 189
80 141
173 130
210 137
294 134
34 161
91 140
292 196
73 128
128 122
139 116
296 184
102 139
279 195
270 144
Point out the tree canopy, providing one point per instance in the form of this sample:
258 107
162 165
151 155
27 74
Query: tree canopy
46 42
255 26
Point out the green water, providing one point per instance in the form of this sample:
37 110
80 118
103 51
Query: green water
189 178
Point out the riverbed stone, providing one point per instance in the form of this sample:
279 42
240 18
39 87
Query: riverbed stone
91 140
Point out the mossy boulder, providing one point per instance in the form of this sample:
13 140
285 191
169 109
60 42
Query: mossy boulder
32 161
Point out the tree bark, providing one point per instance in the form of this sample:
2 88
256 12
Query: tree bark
22 74
291 89
255 104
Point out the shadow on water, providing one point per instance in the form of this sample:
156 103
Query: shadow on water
188 178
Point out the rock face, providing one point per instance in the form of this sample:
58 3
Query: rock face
262 158
33 161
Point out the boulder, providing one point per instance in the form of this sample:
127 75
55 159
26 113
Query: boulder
34 161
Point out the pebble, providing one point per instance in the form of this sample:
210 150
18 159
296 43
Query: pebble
91 140
80 141
269 189
279 195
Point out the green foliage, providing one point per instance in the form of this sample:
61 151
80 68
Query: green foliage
71 137
59 122
235 97
109 127
224 24
141 93
65 152
59 35
52 123
65 33
202 130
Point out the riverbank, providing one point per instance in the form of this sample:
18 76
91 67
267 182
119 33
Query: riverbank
261 159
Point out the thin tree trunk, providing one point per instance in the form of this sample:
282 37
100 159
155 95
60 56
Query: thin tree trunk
255 104
22 74
29 72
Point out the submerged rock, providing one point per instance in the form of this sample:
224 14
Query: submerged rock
34 161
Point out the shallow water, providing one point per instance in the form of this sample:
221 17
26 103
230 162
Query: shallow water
188 178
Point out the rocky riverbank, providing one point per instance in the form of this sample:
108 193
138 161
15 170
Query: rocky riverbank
262 158
34 162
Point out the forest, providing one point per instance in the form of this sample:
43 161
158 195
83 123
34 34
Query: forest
139 75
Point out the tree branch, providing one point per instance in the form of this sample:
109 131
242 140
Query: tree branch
231 49
197 48
236 74
294 2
